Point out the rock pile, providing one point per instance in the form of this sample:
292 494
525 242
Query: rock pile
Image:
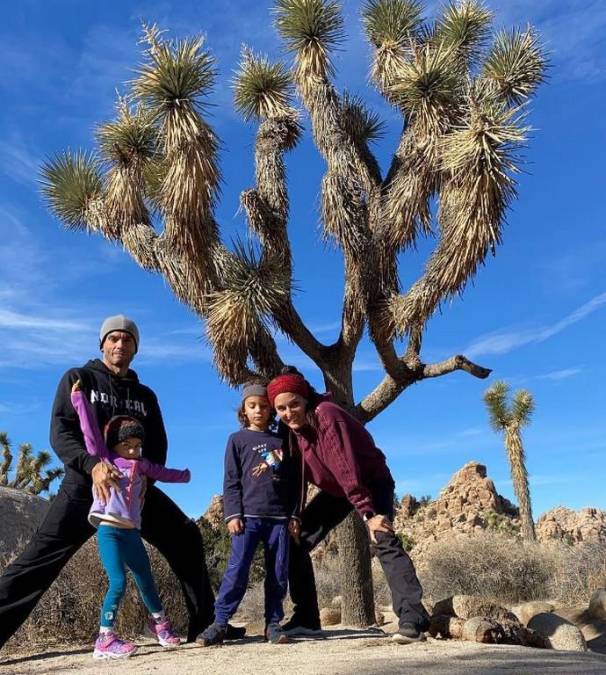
20 515
468 502
572 527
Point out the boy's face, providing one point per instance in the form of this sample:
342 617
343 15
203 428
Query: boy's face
257 412
129 448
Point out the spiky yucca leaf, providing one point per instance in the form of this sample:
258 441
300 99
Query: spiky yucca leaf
133 136
479 162
391 22
360 123
495 398
522 407
262 89
177 71
465 26
70 183
428 85
311 29
516 64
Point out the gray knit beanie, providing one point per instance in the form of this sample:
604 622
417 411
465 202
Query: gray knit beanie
121 323
253 389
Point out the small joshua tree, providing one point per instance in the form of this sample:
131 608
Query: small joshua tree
509 420
29 473
154 184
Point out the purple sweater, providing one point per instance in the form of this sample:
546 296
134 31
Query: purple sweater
124 506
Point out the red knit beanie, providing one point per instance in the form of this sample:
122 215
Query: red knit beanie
291 383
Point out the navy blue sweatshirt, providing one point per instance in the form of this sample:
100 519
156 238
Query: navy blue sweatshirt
261 478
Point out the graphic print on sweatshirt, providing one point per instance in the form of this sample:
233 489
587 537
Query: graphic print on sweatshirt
129 406
271 459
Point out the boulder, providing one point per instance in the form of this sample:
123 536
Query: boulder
480 629
527 610
330 616
597 605
214 514
469 606
558 633
572 527
20 514
337 601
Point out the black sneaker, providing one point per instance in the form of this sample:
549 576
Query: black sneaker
295 627
275 634
408 633
235 632
213 635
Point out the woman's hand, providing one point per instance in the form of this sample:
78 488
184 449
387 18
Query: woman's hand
294 529
235 526
105 476
379 523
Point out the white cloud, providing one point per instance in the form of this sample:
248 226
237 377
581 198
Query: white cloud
562 374
504 341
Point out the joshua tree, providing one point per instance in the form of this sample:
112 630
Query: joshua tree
509 419
154 182
28 472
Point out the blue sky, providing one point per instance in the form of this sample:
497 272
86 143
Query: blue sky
536 314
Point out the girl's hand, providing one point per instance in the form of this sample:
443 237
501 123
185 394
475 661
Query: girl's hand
235 526
294 529
378 523
76 386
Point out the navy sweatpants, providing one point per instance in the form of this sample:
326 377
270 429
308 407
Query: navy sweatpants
274 536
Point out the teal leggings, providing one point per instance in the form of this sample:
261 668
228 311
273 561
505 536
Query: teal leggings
120 549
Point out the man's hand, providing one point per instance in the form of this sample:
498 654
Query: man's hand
105 476
294 529
378 523
235 526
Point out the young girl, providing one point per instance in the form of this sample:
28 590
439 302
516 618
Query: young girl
119 520
260 500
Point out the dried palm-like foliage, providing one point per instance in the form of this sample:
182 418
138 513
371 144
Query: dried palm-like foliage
262 89
127 144
509 418
310 28
70 183
390 26
515 64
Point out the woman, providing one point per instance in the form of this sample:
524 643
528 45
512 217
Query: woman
340 457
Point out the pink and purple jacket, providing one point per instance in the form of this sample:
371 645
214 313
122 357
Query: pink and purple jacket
124 506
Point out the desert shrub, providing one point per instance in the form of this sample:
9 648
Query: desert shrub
487 564
580 570
501 523
406 540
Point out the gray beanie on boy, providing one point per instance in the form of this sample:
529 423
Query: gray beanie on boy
253 389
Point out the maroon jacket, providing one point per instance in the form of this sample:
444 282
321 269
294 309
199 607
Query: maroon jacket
341 458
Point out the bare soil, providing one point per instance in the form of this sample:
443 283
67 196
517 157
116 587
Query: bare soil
343 651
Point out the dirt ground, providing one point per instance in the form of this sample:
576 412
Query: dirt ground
341 652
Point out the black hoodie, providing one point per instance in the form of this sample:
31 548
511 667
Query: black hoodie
109 395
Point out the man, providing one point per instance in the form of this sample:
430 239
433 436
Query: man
113 389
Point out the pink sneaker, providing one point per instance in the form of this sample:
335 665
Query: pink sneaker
110 646
163 633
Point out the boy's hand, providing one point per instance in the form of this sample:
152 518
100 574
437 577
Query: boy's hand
294 529
76 386
235 526
378 523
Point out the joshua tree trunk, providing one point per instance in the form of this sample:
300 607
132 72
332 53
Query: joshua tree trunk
460 101
519 476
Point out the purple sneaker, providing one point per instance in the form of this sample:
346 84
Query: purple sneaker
163 633
110 646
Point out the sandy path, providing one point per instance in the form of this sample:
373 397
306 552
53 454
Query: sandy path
343 652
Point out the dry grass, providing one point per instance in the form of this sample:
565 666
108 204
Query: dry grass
493 565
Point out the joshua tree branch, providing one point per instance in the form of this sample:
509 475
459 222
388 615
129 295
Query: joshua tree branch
389 388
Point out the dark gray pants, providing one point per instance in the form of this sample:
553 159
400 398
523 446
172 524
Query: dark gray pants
320 516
